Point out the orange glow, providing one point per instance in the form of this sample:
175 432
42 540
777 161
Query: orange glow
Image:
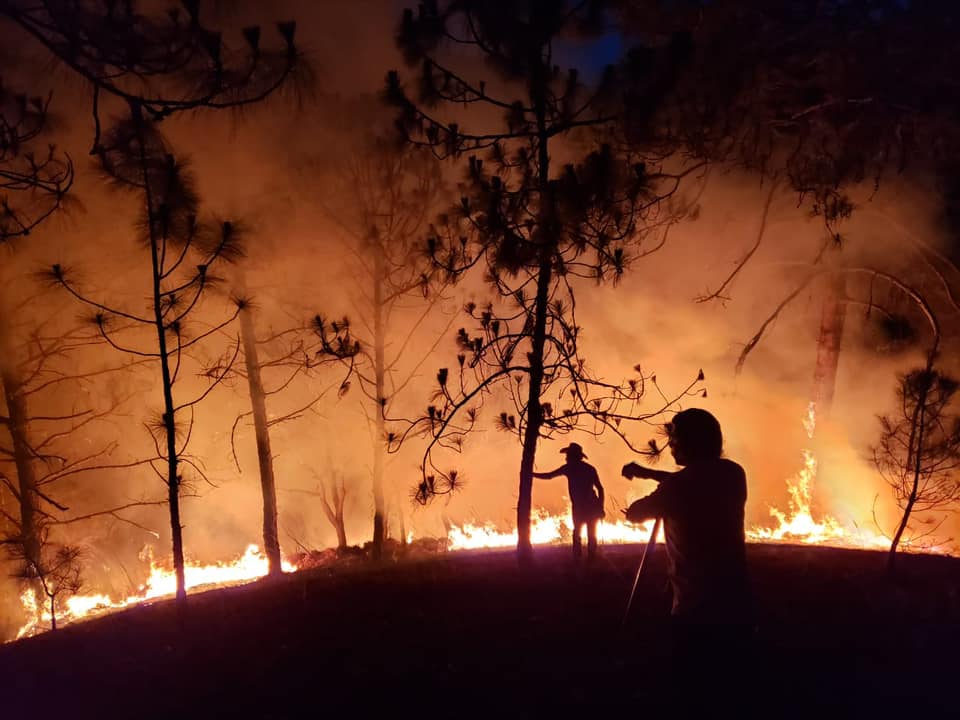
796 525
545 529
162 583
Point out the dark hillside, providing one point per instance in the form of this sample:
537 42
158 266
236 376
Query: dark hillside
469 633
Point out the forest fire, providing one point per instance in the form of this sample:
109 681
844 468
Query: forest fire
161 583
798 525
545 529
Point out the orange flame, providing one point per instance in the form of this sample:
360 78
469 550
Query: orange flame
798 525
545 529
161 583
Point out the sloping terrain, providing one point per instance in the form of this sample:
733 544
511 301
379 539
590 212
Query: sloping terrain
470 634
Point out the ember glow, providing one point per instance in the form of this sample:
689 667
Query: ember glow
161 583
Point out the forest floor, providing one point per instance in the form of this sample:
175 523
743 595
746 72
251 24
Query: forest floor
471 633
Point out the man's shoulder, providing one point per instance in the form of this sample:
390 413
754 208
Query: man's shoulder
588 469
729 466
712 469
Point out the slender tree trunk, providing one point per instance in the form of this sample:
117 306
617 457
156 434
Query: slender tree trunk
380 370
915 458
341 532
268 487
17 420
169 424
531 434
169 409
832 317
901 528
402 523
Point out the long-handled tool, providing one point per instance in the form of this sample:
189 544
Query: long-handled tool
647 550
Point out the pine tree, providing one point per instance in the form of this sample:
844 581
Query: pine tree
534 227
154 65
391 191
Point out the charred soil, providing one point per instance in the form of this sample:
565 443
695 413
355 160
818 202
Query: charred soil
473 633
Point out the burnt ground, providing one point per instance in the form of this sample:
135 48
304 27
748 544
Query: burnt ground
469 634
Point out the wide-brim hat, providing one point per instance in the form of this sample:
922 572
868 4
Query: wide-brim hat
575 449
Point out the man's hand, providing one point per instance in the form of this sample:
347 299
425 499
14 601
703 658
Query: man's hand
634 470
636 513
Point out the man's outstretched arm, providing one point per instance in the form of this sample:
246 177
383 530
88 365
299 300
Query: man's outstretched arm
552 474
636 470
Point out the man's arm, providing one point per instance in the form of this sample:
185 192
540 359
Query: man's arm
599 487
636 470
654 505
552 474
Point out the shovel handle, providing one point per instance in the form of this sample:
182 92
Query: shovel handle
647 550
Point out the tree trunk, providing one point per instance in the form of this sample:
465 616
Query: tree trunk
169 424
832 318
268 487
534 420
380 370
341 532
901 528
402 523
531 434
23 461
914 457
169 409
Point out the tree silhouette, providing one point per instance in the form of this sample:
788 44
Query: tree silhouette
815 99
162 61
391 190
172 234
535 231
32 184
157 64
287 355
918 453
42 428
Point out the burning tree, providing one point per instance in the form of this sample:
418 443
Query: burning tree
393 187
918 453
534 230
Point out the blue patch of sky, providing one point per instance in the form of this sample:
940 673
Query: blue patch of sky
589 55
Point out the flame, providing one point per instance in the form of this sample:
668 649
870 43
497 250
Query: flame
161 583
798 525
545 529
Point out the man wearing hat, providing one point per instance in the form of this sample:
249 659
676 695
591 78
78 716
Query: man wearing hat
582 478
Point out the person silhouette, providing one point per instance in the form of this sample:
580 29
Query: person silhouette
587 505
702 507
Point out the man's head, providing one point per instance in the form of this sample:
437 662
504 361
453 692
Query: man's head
694 436
574 452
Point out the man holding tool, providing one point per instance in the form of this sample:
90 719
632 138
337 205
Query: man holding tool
702 506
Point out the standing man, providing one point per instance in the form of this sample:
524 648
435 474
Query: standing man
582 480
702 509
